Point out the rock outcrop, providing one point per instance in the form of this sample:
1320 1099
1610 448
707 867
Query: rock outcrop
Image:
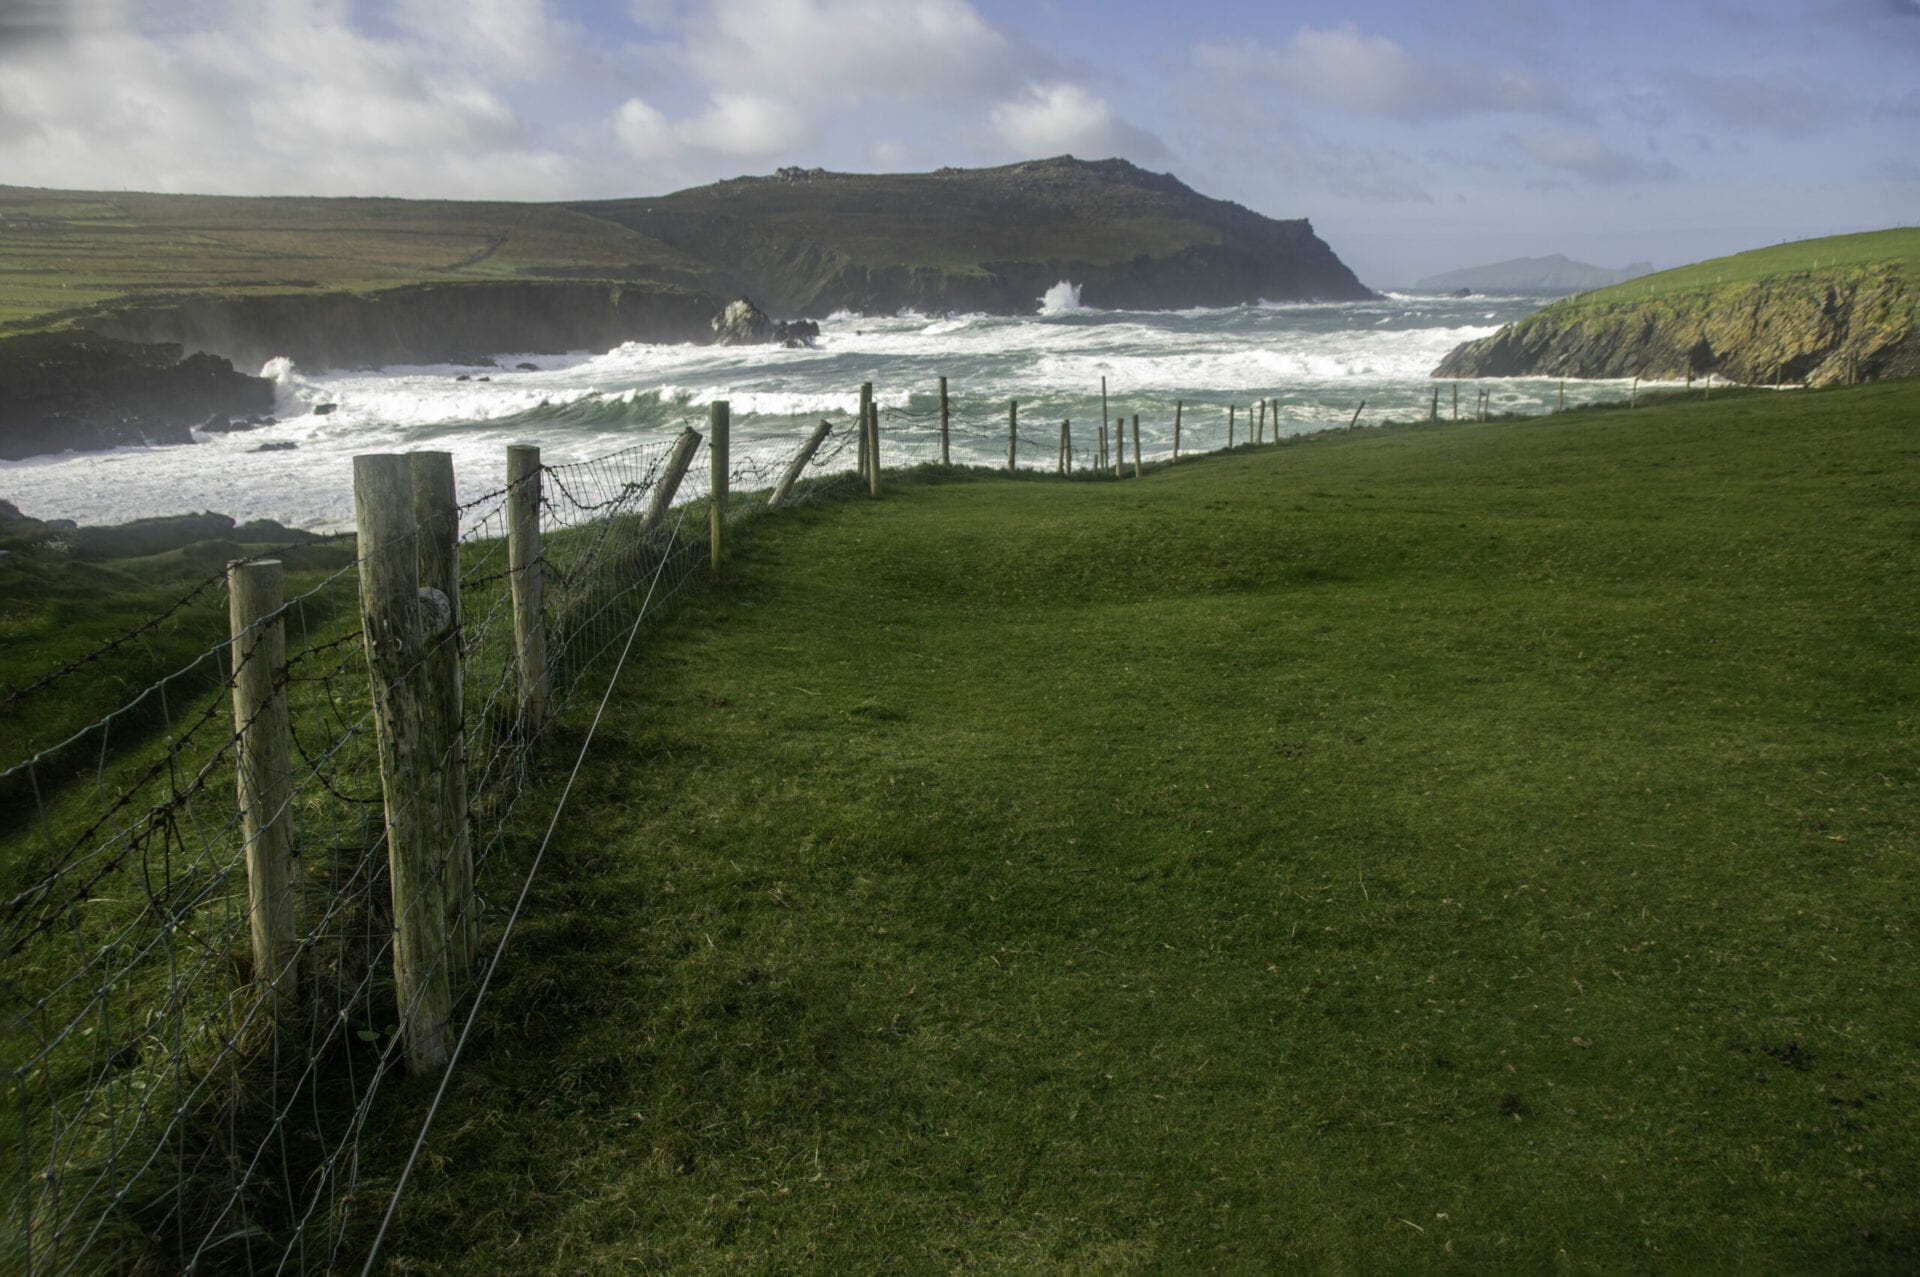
79 391
744 324
1817 327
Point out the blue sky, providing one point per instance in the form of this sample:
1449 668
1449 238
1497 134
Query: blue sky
1417 137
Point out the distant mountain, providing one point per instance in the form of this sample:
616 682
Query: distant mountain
1555 274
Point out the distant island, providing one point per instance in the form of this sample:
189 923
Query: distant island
1820 312
120 313
1557 274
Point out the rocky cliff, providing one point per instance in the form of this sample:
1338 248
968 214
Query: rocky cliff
421 324
83 392
1821 327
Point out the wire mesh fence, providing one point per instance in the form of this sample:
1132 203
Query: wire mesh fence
175 1100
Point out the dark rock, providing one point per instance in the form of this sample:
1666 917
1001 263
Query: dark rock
1461 292
325 409
463 377
221 424
9 512
526 367
283 446
77 391
486 379
744 324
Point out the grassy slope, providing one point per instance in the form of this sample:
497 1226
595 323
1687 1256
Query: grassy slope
70 250
1899 247
1492 845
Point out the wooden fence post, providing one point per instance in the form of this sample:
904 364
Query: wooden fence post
784 488
1013 434
263 772
1260 428
1136 445
866 408
1356 414
1102 465
719 418
1066 448
1176 430
669 482
1433 409
1103 424
436 514
944 459
396 643
1230 411
525 576
1119 444
873 449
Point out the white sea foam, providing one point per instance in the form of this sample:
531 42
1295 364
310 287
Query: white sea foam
1062 297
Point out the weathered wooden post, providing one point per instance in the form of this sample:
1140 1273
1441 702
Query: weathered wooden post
1102 464
436 514
1230 411
395 637
1433 409
1176 430
1065 464
784 488
1013 434
1260 427
944 458
526 584
719 418
1136 445
866 410
263 771
873 449
1356 414
1119 444
669 482
1103 425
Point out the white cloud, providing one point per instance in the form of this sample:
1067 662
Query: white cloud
1347 69
1058 118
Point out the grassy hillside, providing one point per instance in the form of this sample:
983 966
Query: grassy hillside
1492 845
980 235
1821 311
63 251
1899 248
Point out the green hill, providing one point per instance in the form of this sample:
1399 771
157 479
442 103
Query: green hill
1822 311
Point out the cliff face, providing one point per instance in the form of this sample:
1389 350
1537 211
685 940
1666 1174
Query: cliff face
426 323
810 242
80 391
1821 327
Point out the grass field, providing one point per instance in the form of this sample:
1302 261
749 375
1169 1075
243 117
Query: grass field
1483 846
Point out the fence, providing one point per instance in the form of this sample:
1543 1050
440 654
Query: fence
234 907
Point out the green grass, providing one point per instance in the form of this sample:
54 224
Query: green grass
1898 248
1490 846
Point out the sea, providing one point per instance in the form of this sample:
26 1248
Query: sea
1319 361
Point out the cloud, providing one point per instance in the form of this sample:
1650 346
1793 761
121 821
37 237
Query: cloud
1587 156
1059 118
1777 104
1344 68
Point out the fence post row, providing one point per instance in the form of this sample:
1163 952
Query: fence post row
784 488
396 639
527 587
263 771
719 418
436 515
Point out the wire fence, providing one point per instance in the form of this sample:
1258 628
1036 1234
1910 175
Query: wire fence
181 1096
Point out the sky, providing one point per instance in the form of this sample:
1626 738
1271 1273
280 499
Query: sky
1417 137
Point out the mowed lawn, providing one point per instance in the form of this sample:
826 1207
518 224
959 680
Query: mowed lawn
1493 845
